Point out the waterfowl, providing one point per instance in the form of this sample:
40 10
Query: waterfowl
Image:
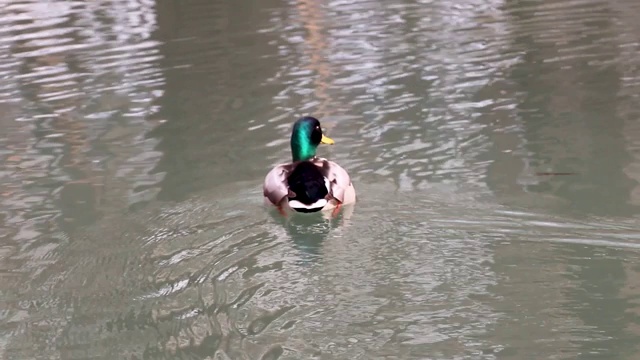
308 183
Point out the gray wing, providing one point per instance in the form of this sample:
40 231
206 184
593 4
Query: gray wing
275 184
338 177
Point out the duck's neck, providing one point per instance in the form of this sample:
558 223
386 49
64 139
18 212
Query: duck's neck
301 148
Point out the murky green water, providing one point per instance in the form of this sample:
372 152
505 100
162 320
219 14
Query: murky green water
135 136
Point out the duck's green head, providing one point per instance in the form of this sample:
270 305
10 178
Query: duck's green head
305 138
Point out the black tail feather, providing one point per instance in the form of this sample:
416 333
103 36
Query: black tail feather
307 183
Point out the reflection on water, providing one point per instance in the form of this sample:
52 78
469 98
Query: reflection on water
136 134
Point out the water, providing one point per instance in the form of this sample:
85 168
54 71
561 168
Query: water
494 147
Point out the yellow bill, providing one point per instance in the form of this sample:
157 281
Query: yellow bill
327 140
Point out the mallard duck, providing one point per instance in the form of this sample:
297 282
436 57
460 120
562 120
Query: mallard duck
308 183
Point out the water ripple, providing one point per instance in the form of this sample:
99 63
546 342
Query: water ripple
67 80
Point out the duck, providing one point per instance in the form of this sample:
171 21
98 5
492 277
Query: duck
308 183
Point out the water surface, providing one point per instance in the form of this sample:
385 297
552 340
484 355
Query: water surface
495 148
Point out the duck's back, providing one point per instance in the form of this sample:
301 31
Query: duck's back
308 185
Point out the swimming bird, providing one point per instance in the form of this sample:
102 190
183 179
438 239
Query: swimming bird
308 183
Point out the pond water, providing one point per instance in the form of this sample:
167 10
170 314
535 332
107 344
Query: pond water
494 146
